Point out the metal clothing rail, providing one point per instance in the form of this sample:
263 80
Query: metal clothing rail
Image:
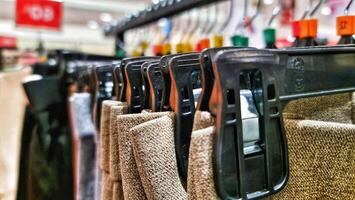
155 12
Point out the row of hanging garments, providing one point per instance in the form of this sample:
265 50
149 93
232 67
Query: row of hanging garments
232 122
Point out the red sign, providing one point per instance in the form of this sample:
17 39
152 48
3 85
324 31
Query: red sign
39 14
8 42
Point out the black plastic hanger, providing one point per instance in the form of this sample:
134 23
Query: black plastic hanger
207 77
164 62
120 81
134 88
265 81
185 77
147 88
104 88
156 86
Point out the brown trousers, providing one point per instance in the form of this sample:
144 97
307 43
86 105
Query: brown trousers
321 139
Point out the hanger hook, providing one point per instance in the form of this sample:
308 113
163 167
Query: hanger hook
207 23
229 18
215 19
347 8
245 13
275 12
192 30
310 12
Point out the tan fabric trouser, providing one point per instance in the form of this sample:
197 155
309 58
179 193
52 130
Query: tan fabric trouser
12 109
107 184
154 153
321 140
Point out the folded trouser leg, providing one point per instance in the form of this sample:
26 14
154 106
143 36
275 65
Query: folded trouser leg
83 133
115 171
200 183
131 183
117 190
104 147
154 152
107 187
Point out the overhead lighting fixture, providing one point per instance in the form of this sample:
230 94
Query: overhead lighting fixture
92 24
105 17
155 1
268 2
326 10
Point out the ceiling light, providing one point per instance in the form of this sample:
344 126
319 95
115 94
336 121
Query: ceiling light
268 2
155 1
92 24
105 17
326 10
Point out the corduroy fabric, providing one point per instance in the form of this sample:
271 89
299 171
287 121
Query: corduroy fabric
154 152
131 183
321 153
105 134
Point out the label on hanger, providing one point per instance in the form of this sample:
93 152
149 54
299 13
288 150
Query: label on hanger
158 49
269 35
136 53
144 45
218 41
166 48
296 29
345 25
308 28
187 48
179 48
205 44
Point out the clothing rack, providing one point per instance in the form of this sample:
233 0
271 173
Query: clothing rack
153 13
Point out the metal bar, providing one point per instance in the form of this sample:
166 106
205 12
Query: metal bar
155 12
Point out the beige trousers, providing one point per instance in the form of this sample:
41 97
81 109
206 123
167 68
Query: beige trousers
12 109
321 140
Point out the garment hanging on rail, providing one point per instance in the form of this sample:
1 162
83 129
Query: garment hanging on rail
84 146
12 108
49 171
320 133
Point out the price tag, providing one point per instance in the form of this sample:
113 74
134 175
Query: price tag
179 48
218 41
345 25
308 28
166 49
136 53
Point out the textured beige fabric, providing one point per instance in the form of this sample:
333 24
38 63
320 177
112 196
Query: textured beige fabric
200 183
105 134
117 191
154 152
107 187
335 108
131 183
321 151
12 108
321 148
115 171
